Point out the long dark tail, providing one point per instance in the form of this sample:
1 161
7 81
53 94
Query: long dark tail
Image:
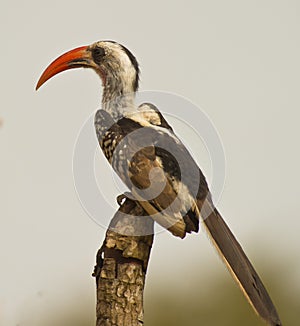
239 266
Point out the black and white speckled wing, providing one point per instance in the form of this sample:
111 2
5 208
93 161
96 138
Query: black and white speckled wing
144 143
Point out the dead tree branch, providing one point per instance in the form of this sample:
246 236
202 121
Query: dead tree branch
121 267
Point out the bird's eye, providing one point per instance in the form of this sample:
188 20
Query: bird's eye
98 54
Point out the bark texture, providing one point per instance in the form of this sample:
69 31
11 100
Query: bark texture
121 267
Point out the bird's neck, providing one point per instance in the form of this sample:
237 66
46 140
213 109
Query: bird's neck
118 97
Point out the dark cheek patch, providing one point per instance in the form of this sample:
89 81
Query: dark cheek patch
98 53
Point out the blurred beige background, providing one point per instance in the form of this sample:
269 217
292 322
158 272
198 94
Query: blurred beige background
239 62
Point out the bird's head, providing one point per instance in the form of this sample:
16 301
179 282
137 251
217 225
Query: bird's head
114 63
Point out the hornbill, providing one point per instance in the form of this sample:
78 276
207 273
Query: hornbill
155 165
